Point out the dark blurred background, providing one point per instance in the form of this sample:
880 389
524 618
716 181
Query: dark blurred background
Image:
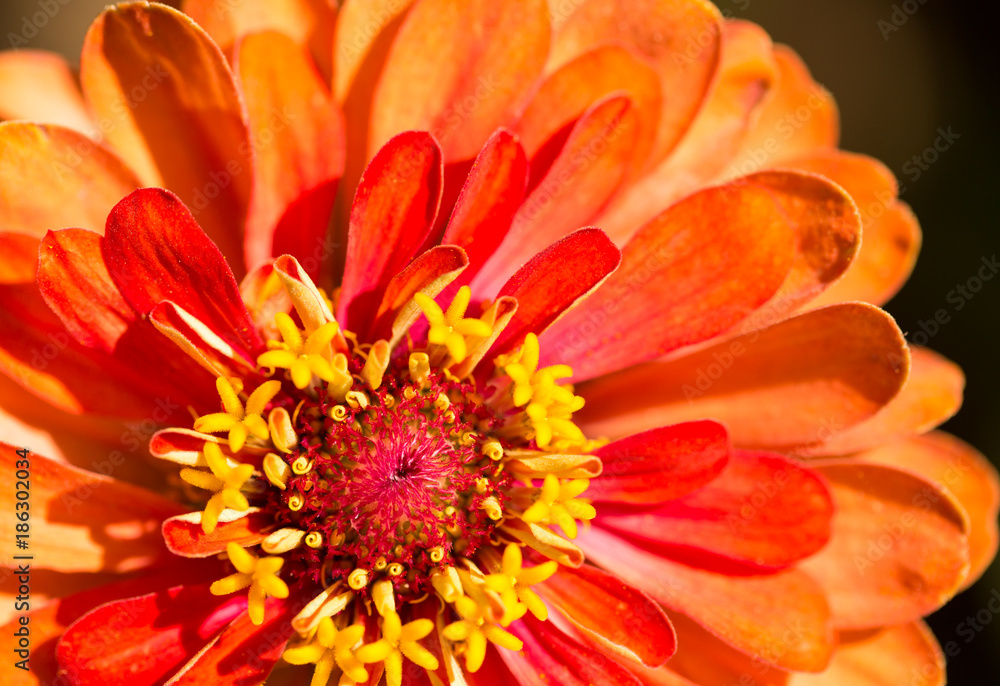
900 70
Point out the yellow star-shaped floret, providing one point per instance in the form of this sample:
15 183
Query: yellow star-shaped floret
450 328
474 631
301 357
548 406
558 504
239 421
397 640
260 574
513 581
330 648
226 481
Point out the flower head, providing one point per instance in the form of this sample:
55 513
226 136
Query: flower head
464 433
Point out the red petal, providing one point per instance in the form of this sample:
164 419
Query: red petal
392 217
299 134
762 510
48 622
156 251
429 273
899 548
690 274
781 618
184 536
604 609
662 464
173 112
552 657
489 200
553 281
87 522
76 285
583 175
485 57
139 641
244 653
791 385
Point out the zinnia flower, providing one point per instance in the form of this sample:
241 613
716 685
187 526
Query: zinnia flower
327 375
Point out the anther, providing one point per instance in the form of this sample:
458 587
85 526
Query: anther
441 402
492 508
358 579
492 449
381 564
436 554
302 465
356 399
314 539
276 470
338 413
296 502
420 366
395 569
279 425
281 541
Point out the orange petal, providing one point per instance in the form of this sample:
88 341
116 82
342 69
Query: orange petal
681 38
85 522
298 136
959 469
690 274
899 548
793 384
566 94
54 178
40 86
744 77
780 618
484 55
585 172
585 596
891 232
307 22
799 114
171 108
763 510
704 660
932 394
364 35
828 236
906 654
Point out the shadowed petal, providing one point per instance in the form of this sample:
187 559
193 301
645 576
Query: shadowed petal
40 86
899 548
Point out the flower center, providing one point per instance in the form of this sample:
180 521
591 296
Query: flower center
393 472
399 482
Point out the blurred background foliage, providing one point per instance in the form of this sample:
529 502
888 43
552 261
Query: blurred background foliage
900 70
